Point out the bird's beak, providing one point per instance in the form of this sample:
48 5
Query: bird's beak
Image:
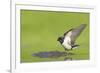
57 39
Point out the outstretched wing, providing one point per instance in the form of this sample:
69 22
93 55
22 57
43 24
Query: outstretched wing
74 33
77 31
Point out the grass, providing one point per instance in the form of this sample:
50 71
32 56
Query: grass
40 30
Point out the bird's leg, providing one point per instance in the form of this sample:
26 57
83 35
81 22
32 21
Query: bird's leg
66 49
72 48
68 53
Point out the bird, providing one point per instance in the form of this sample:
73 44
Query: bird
68 39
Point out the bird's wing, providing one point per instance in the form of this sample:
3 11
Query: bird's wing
77 31
74 33
67 32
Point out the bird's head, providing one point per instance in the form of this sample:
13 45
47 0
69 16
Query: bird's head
60 39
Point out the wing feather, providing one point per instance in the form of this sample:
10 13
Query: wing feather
67 32
74 33
77 31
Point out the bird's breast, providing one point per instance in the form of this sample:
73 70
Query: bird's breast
66 43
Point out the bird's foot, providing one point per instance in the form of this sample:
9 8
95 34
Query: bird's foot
68 49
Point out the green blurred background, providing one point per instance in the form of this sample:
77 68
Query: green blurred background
40 30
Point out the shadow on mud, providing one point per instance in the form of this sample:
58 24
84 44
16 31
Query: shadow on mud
54 54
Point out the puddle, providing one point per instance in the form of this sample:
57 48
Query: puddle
54 54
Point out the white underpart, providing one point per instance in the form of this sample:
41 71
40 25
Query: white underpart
67 41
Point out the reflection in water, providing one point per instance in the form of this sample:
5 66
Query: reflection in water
54 54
